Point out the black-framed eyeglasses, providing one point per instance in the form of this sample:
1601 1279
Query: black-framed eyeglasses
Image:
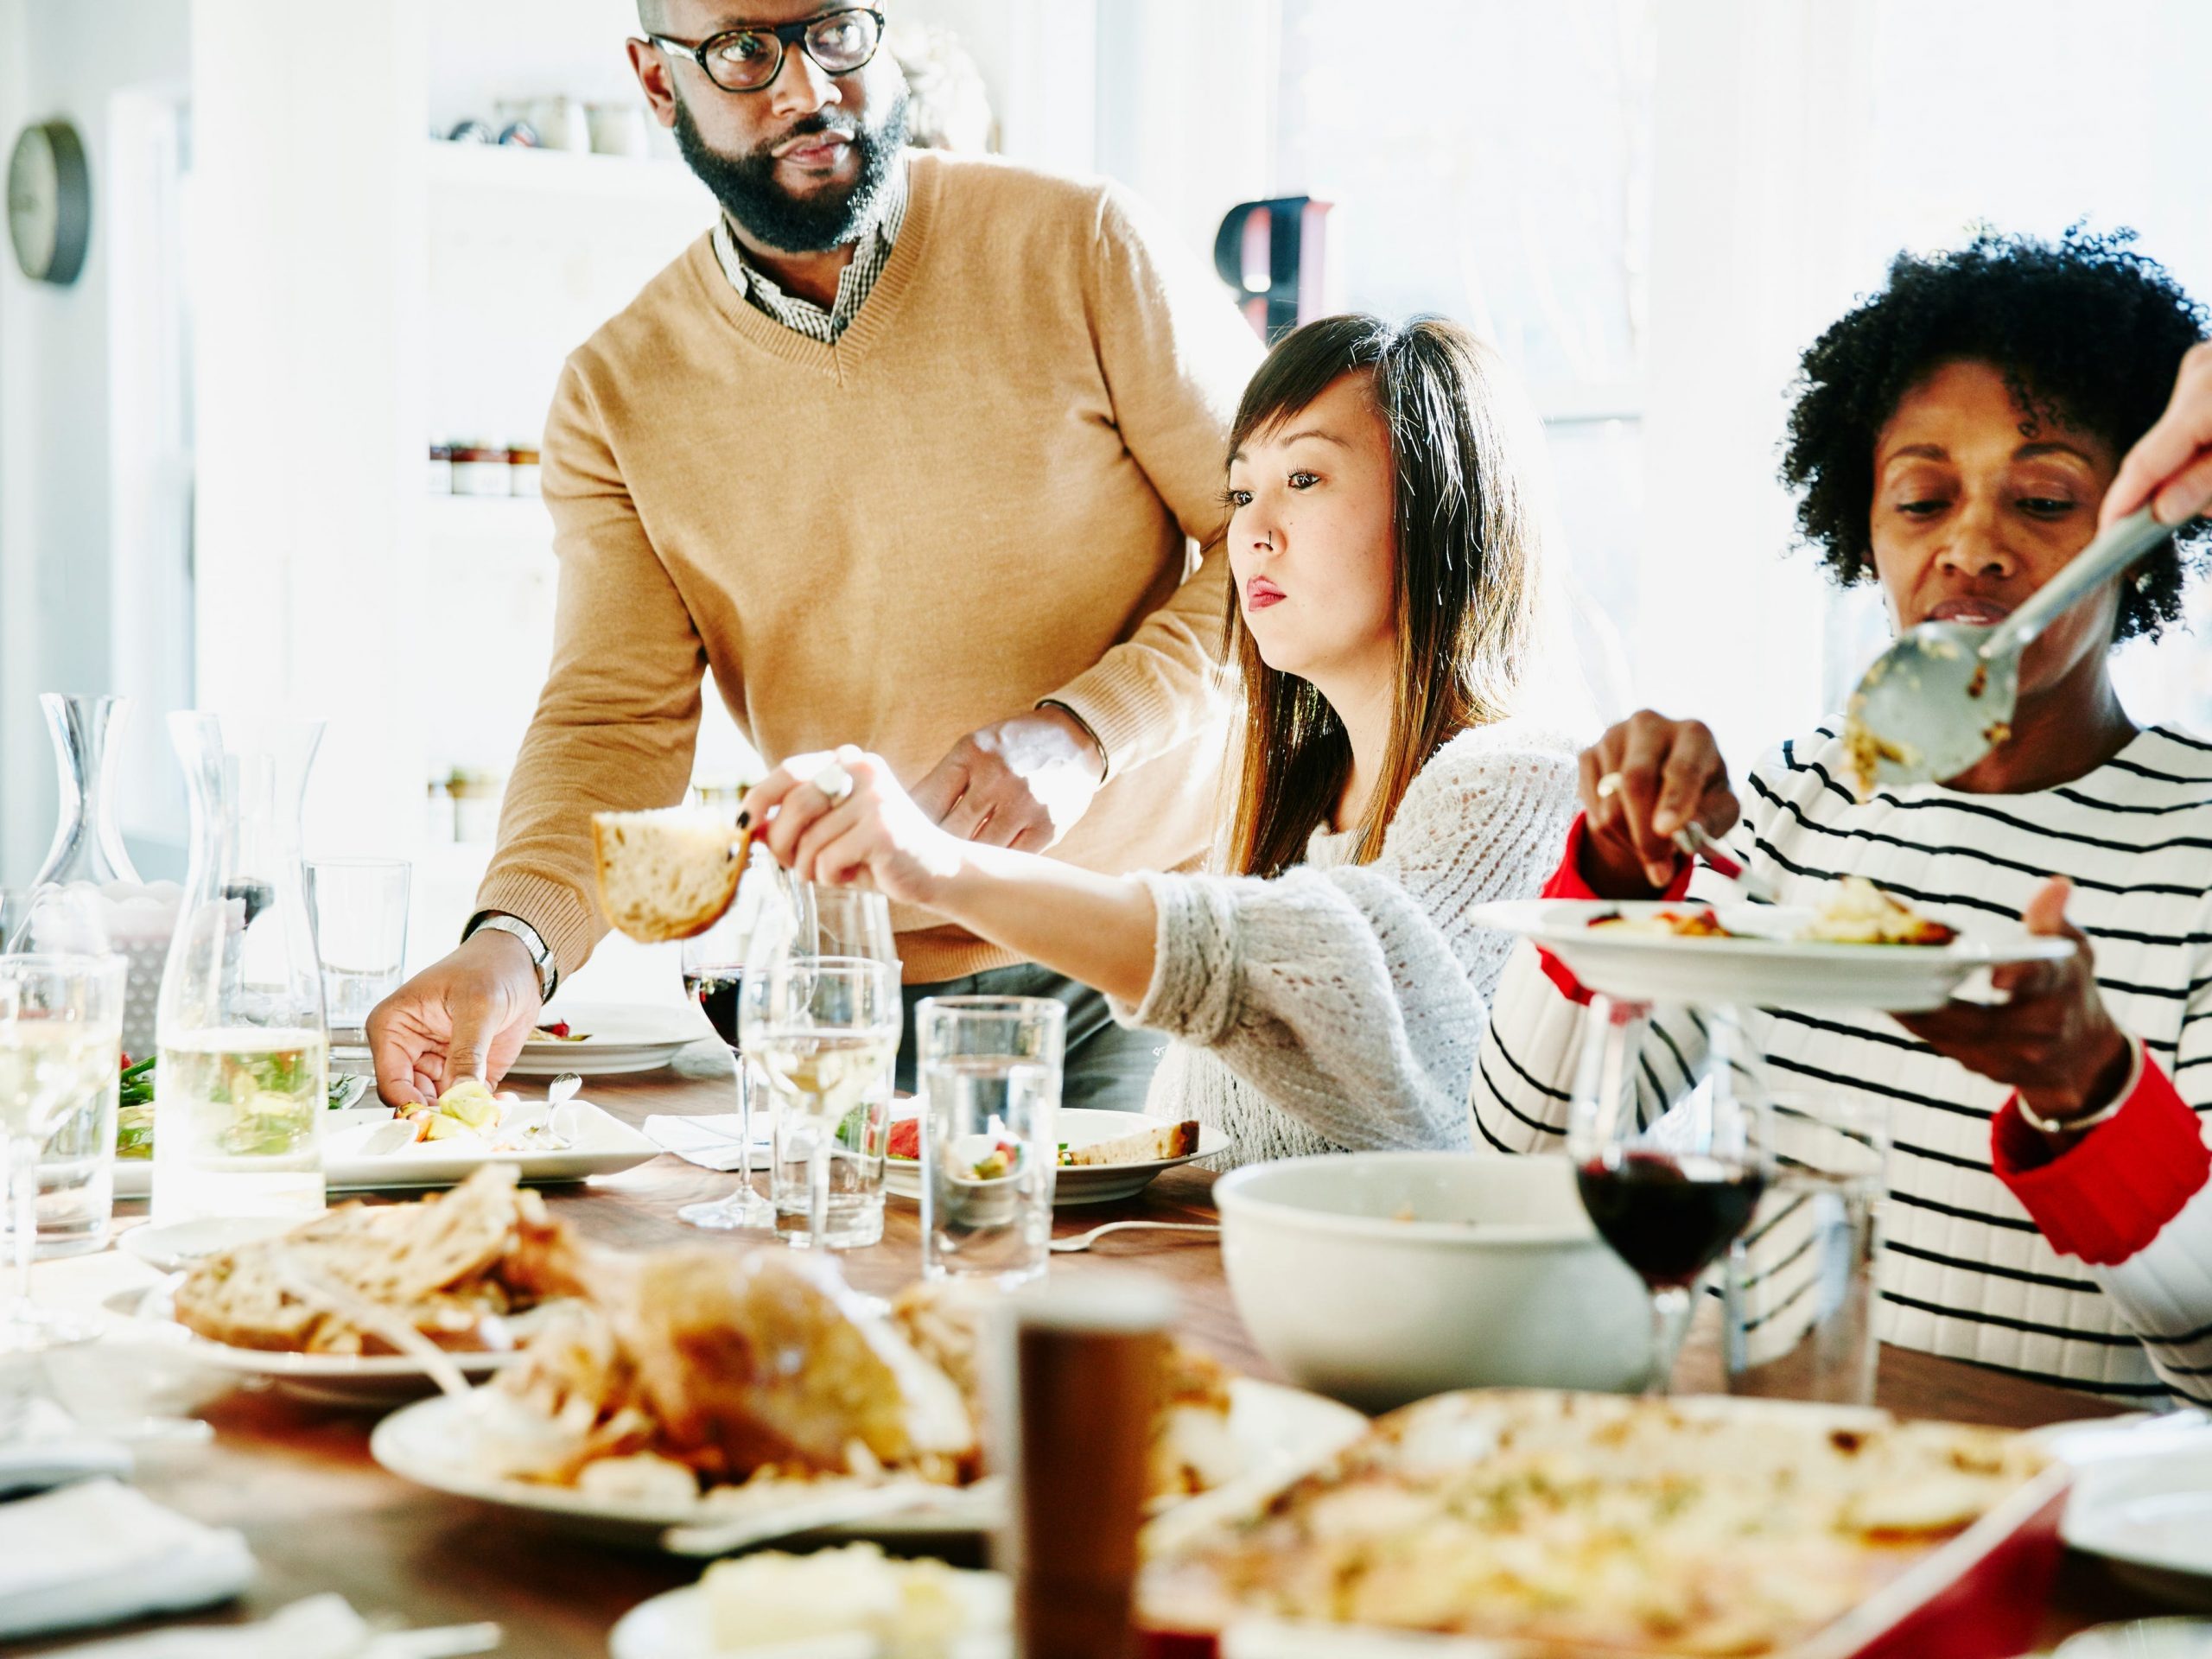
748 59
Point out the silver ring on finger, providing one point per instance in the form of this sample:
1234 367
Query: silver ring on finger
1609 786
834 781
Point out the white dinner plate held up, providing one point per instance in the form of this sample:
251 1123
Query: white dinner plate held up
438 1443
366 1149
1766 965
1079 1184
2150 1517
616 1039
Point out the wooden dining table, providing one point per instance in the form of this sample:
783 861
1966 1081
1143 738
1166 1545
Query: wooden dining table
298 1480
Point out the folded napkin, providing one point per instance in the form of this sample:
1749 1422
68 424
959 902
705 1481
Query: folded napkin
711 1141
41 1447
98 1553
320 1627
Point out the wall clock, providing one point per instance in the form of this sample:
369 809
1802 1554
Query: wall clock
49 202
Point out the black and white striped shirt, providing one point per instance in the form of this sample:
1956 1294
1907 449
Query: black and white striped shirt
1966 1273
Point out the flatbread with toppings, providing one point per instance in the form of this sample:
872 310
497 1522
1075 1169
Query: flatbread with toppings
1646 1526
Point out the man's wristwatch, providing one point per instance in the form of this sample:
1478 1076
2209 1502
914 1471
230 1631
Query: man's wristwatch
548 971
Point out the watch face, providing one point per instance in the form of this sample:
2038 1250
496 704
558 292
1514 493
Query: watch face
33 202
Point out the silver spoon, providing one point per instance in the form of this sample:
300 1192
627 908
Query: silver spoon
1084 1241
564 1088
1942 698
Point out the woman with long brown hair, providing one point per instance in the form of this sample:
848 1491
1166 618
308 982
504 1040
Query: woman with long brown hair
1328 991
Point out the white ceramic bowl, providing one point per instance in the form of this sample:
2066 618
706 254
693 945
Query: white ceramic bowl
1384 1277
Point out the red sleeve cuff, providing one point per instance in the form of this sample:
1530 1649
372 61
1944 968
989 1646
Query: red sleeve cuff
2110 1194
1567 882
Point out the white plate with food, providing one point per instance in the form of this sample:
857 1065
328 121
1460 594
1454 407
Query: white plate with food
2150 1517
1103 1155
369 1148
330 1308
1856 953
850 1602
1272 1432
606 1040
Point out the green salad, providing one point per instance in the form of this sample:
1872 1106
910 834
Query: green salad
134 1116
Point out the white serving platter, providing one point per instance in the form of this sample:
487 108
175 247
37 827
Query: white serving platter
352 1160
1769 967
438 1443
1079 1184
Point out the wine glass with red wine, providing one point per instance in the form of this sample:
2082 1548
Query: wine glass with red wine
713 977
1668 1185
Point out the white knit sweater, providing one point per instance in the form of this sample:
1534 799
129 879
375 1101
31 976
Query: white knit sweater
1339 1005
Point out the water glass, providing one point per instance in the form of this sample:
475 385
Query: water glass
360 926
76 1169
1800 1292
989 1069
61 1042
823 1033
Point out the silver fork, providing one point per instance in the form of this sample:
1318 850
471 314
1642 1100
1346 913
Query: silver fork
1084 1241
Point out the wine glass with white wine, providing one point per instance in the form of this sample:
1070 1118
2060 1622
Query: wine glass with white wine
61 1042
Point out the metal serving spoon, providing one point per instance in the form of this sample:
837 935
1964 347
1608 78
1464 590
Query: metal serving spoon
1942 698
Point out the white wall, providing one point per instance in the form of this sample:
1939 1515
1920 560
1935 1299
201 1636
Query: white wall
309 340
1758 216
55 416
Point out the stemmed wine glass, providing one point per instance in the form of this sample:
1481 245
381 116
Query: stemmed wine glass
61 1040
713 974
1669 1190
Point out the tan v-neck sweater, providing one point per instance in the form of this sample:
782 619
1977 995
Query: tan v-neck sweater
990 491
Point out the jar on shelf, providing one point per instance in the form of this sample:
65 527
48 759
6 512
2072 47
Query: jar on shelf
476 798
438 812
441 469
479 469
522 470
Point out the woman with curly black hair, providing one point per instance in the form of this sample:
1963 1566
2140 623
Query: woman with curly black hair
1955 439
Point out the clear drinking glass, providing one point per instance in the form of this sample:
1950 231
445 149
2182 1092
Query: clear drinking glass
1667 1188
360 931
989 1069
243 1080
76 1169
1800 1291
714 974
61 1042
823 1032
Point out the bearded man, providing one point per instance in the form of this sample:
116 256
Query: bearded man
912 449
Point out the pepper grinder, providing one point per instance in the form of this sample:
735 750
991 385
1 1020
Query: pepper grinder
1080 1367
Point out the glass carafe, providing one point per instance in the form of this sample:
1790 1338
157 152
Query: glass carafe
88 853
86 845
243 1078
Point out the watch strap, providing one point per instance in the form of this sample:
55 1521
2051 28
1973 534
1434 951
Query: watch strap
541 955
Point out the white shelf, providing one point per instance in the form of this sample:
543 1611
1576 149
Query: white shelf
508 520
513 168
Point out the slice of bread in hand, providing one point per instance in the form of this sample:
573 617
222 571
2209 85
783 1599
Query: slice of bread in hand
668 875
1153 1144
